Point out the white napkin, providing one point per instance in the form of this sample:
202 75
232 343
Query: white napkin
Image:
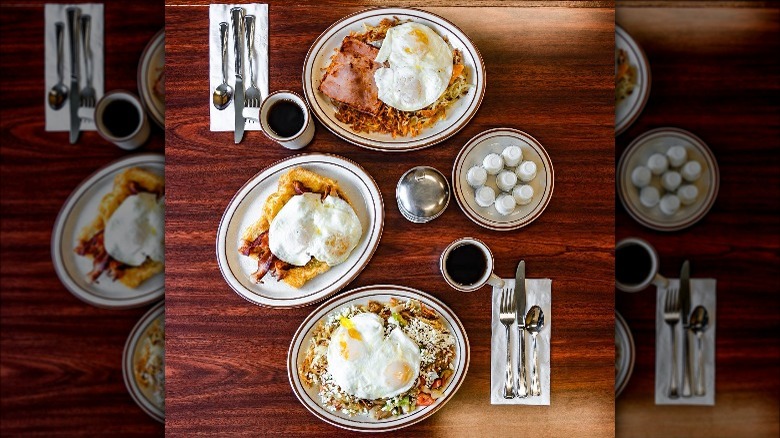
703 293
538 292
224 120
60 120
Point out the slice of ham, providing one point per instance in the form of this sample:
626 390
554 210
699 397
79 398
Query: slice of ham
350 76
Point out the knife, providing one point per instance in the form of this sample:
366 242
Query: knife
237 14
685 304
74 15
522 386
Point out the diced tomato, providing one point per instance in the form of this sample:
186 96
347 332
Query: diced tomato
424 399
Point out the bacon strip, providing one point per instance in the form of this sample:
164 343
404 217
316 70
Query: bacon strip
300 188
101 260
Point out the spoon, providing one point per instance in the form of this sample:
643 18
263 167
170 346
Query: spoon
534 322
699 321
224 92
59 92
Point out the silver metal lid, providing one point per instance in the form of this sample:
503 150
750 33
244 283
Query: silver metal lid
423 194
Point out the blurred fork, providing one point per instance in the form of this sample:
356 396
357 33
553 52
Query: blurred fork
88 95
672 317
507 317
252 97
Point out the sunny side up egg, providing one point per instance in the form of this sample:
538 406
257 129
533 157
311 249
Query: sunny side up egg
308 226
136 230
368 365
420 67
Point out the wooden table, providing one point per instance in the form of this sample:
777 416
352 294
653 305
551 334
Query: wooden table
713 73
550 73
61 358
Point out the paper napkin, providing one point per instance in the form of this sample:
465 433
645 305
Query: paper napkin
703 293
223 120
538 292
59 120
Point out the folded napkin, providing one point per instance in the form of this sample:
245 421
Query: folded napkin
703 293
538 293
60 120
224 120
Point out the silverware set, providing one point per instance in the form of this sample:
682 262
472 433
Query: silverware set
60 93
511 310
243 25
677 308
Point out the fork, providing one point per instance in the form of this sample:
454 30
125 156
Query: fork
507 317
252 97
88 95
672 317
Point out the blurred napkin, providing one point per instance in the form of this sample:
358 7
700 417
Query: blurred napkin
60 120
538 293
224 120
703 293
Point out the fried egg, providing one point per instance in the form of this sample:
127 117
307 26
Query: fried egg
308 226
136 230
369 365
419 67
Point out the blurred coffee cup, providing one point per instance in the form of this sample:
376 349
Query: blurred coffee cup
636 265
120 118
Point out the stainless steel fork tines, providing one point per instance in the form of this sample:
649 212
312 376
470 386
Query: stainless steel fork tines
253 98
88 94
672 317
507 318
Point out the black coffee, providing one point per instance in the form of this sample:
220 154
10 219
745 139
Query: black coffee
121 118
466 264
632 264
285 118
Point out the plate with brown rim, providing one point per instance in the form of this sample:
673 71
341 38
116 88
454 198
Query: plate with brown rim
458 115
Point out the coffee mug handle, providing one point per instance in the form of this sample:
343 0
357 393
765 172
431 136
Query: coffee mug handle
495 281
660 281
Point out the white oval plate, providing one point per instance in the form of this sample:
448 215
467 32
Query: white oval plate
128 357
624 359
246 207
152 59
383 293
79 210
494 141
660 140
628 110
458 115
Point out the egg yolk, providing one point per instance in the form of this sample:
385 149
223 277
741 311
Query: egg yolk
350 326
397 374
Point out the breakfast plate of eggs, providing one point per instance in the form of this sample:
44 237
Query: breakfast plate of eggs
668 179
143 362
408 69
503 179
133 236
314 245
370 372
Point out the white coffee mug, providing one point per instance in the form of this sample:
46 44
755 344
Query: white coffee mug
137 136
301 138
488 277
652 277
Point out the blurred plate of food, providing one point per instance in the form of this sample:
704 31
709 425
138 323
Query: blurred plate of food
668 179
151 78
624 353
394 79
503 179
143 362
632 80
300 230
378 358
107 243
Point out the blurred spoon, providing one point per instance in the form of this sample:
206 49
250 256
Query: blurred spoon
534 323
59 92
224 92
700 319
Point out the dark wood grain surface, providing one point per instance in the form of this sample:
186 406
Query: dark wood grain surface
61 358
713 73
549 72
